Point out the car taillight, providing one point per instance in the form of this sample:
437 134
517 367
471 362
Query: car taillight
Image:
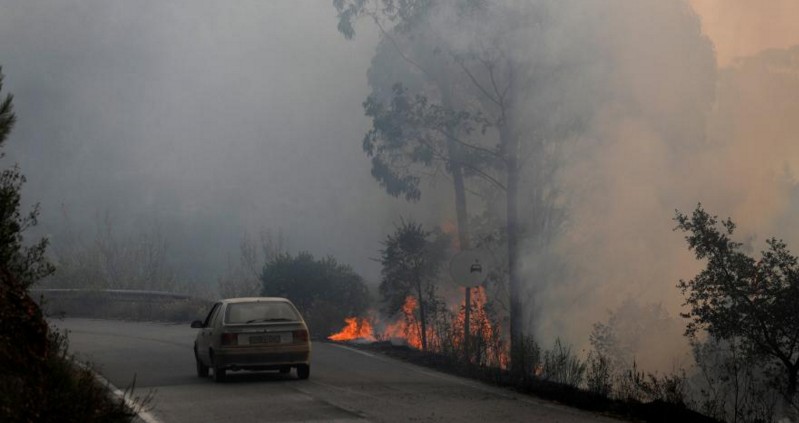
300 335
230 339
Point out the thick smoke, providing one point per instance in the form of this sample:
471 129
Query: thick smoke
677 131
653 124
210 120
743 28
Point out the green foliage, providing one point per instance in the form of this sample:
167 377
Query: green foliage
403 13
411 259
323 290
739 298
412 135
423 121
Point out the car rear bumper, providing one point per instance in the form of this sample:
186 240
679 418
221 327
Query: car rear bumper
264 358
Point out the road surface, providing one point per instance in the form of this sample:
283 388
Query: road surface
346 385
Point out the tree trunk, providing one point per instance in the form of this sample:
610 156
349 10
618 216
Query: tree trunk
462 218
460 207
463 244
422 316
510 144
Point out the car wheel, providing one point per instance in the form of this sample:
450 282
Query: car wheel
219 371
219 374
202 369
303 371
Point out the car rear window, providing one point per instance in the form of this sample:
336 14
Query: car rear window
259 312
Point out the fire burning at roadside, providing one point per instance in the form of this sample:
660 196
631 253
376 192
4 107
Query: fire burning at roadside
405 328
357 328
485 343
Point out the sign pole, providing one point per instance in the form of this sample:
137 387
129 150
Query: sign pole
467 269
466 323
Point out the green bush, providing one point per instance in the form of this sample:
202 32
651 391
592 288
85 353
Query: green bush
324 291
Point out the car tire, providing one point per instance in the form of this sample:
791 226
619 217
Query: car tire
303 371
202 369
220 372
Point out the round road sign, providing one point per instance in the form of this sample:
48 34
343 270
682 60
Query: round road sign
469 268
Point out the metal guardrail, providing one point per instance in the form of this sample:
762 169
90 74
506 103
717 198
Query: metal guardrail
120 304
110 294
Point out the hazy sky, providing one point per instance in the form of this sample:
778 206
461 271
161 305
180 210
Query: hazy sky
741 28
212 118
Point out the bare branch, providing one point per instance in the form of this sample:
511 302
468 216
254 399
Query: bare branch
457 140
478 84
443 157
500 96
397 47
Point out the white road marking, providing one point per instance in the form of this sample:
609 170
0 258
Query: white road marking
145 415
354 350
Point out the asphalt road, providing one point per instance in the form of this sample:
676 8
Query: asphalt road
346 385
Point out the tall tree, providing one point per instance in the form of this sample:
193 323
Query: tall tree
739 298
493 90
411 259
470 120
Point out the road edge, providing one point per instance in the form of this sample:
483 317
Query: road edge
141 414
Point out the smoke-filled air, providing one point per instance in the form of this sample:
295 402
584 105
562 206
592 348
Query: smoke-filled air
582 146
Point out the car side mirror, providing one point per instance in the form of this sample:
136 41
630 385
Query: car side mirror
197 324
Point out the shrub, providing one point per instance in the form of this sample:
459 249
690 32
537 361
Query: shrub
562 366
324 291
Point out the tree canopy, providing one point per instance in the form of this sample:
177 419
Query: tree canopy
411 259
738 297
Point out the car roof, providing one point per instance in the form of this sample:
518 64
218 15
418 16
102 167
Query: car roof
255 299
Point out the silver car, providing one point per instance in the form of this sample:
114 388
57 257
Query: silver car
259 333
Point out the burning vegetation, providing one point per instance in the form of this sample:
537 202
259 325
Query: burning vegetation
357 328
445 335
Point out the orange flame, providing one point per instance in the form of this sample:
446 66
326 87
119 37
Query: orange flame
484 336
486 345
407 327
357 328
